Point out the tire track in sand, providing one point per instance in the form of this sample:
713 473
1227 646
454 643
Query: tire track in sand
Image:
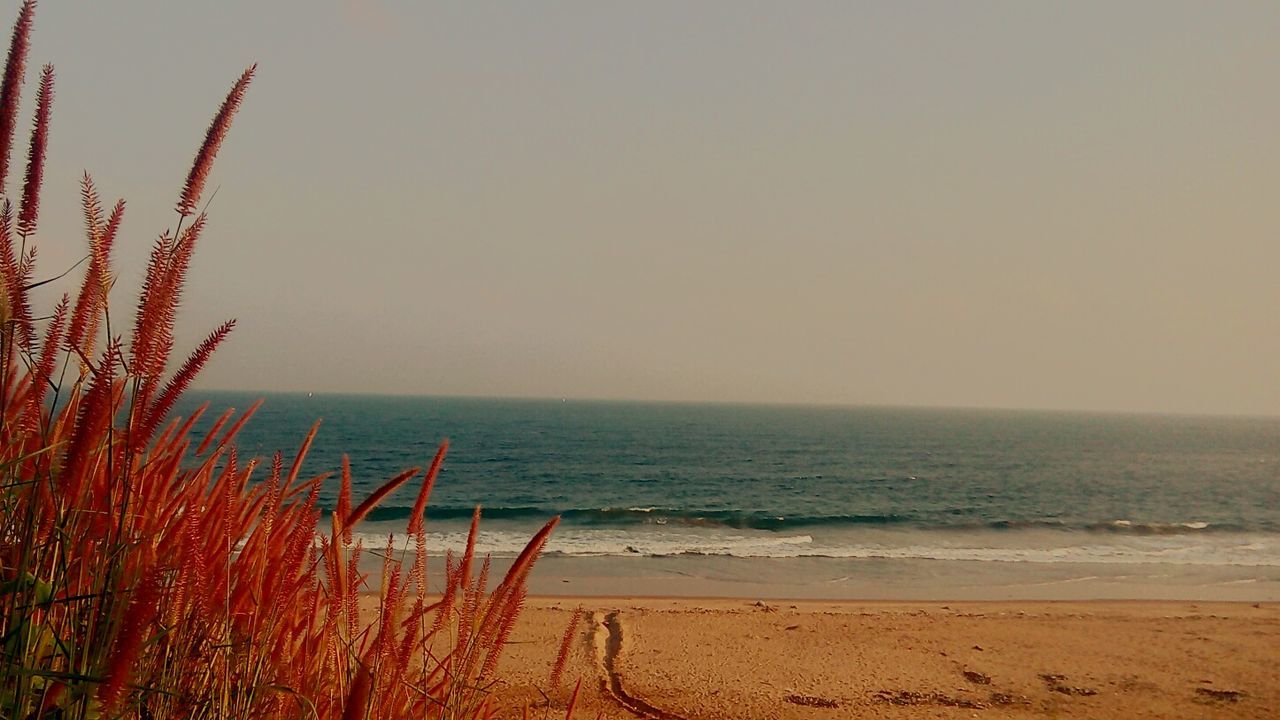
607 638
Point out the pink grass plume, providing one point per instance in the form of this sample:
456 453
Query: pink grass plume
428 482
213 137
29 215
11 88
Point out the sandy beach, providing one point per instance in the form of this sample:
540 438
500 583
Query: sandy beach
721 658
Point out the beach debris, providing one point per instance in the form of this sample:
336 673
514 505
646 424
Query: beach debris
1004 699
793 627
1133 683
978 648
812 701
1209 695
762 606
976 677
911 697
1057 683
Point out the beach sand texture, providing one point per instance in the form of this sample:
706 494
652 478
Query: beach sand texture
711 659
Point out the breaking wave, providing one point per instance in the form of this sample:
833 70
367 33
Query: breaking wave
778 522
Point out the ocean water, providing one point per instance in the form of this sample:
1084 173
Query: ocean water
825 494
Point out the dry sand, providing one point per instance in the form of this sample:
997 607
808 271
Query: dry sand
694 659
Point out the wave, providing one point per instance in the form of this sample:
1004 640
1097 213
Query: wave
646 516
1242 550
780 522
1123 527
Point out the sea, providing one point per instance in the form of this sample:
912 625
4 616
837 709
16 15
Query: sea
773 501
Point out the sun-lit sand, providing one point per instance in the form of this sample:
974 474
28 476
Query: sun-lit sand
692 658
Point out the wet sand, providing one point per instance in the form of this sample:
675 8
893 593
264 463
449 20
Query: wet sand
704 658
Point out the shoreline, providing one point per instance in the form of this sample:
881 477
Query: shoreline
854 580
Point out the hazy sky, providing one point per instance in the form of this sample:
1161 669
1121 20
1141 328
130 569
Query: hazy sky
1071 205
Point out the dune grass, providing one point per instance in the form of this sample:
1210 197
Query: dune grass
147 574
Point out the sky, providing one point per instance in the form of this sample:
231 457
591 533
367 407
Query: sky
984 204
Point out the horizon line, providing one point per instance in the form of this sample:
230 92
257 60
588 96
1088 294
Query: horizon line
745 403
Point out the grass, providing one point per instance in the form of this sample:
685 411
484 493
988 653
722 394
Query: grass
145 574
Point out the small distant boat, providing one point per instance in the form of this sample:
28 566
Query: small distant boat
311 394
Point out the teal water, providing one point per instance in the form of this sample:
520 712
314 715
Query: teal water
675 480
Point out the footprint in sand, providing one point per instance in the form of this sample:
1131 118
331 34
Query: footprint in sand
608 641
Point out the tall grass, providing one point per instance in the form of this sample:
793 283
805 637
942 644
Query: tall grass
146 575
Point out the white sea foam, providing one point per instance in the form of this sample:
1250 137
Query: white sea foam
1029 547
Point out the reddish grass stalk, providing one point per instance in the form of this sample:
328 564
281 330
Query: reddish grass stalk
343 510
11 88
89 301
213 138
42 373
377 496
158 306
358 698
573 700
566 645
182 379
212 432
29 215
472 534
137 619
15 272
424 494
